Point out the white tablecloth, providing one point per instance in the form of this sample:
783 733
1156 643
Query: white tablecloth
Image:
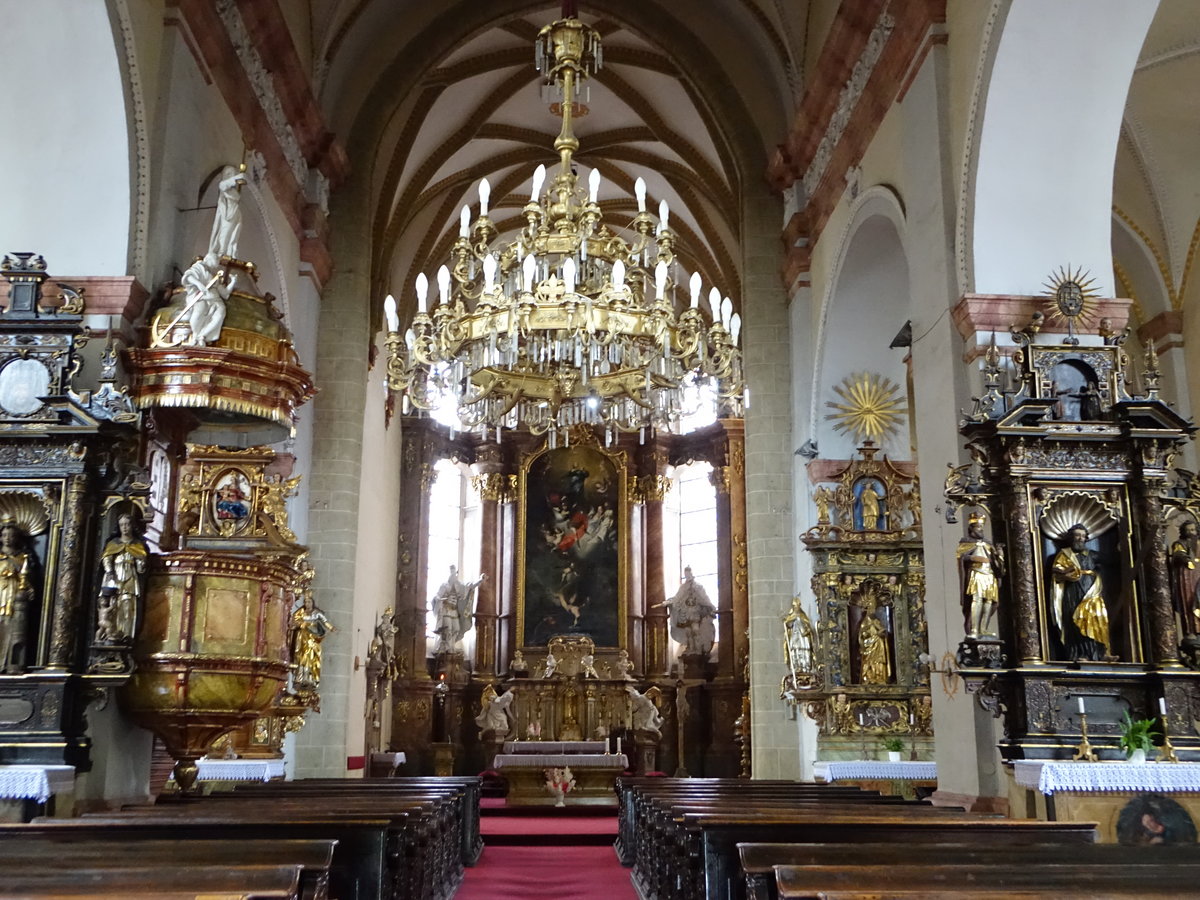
555 746
1050 776
239 769
558 760
849 770
35 782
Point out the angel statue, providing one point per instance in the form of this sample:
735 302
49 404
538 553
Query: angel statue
494 712
452 604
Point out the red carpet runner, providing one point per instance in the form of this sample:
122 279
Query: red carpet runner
547 854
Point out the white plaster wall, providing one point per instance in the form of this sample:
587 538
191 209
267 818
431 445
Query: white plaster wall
1043 189
65 153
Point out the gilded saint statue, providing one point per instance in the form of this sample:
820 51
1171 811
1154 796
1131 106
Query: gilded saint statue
871 507
981 565
16 593
1077 599
822 497
452 603
874 656
124 561
1185 578
310 626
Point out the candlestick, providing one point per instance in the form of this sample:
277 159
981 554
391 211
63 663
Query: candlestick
1162 706
1084 751
1166 753
1082 711
618 746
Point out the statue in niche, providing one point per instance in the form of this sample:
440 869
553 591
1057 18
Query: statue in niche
873 651
643 713
981 564
227 223
871 513
822 497
692 616
124 561
495 713
1077 599
452 603
16 593
1185 577
310 626
623 666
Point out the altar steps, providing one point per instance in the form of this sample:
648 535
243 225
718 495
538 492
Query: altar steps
586 826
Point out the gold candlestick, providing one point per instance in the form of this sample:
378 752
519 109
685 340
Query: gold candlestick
1166 753
1084 751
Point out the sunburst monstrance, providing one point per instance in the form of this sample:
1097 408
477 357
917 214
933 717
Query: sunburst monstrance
872 407
1071 295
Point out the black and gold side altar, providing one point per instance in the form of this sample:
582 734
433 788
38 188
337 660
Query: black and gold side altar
1068 606
551 578
71 501
857 672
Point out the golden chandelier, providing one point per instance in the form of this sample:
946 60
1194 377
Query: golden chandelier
567 323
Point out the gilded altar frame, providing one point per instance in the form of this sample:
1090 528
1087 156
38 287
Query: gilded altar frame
582 446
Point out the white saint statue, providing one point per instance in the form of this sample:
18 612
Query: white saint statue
692 615
208 286
227 224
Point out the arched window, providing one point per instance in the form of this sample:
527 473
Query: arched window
454 538
690 530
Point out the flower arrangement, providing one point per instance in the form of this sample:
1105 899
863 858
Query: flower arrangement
559 782
1137 734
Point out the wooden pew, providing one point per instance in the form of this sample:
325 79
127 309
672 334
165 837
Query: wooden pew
712 837
469 787
1094 878
29 845
759 862
362 866
250 882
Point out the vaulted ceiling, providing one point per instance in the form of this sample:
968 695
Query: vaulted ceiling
431 97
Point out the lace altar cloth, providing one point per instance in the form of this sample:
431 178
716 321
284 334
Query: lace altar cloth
1048 777
849 770
554 747
36 782
239 769
618 761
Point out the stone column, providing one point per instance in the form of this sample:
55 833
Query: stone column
651 493
494 491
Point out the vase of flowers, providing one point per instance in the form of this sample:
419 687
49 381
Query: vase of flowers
559 782
1137 738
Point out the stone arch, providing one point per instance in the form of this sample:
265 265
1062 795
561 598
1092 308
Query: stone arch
1047 140
865 304
68 158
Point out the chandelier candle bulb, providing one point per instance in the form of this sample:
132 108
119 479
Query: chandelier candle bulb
639 190
714 302
593 185
422 292
539 177
694 287
489 273
529 268
569 275
464 222
664 215
726 311
618 275
389 312
443 280
735 327
485 194
660 280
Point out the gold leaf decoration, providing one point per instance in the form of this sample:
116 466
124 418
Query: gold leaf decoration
1071 295
871 407
26 509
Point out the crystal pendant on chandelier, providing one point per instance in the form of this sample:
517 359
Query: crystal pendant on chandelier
568 323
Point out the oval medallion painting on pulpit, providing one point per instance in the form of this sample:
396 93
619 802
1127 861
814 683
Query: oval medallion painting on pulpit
231 501
571 507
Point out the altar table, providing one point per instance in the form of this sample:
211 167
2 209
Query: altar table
1124 799
901 778
595 772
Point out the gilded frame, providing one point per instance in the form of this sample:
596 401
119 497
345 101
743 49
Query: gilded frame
584 447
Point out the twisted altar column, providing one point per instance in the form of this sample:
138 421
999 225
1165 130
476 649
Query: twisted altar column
1021 574
1156 579
67 589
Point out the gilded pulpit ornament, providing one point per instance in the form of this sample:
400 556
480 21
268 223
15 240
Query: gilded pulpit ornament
871 408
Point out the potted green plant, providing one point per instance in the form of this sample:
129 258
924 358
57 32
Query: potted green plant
1137 737
894 746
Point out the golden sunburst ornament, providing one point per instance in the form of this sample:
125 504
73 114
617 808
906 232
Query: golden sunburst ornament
872 407
1071 295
